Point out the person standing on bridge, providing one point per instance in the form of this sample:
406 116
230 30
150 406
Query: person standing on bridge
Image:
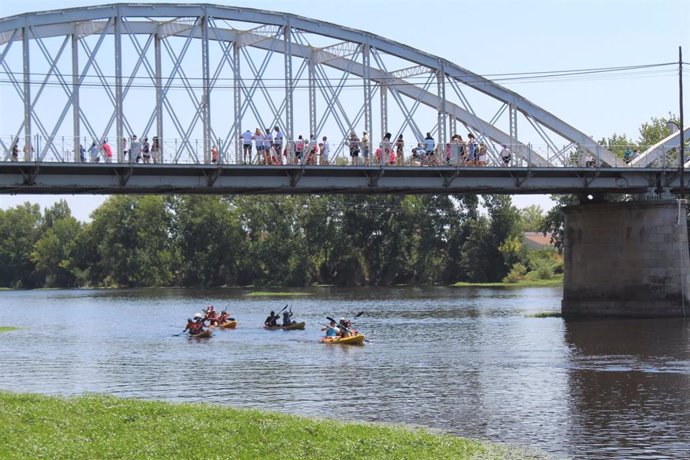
506 156
15 150
481 158
107 152
259 145
354 148
135 150
472 148
278 145
325 150
429 147
247 146
299 149
146 151
455 154
156 150
93 152
125 152
399 147
364 147
386 150
268 147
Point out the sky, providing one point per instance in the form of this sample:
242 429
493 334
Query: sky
506 36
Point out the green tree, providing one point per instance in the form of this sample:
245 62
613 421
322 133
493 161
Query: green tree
618 144
53 252
532 218
18 233
655 130
209 238
133 242
506 229
459 233
275 253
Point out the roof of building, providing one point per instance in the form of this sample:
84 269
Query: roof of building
537 240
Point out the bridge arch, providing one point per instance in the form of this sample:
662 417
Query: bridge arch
216 70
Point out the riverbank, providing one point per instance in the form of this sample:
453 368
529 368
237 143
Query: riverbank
555 282
94 426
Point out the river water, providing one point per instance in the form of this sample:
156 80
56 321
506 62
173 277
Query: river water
469 361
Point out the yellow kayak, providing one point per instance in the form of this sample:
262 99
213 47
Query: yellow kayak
202 335
291 327
228 325
357 339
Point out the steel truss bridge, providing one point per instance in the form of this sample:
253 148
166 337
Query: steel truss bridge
197 76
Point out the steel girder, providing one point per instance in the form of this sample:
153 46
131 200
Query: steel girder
140 19
71 178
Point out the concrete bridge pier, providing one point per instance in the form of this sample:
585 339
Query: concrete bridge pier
626 260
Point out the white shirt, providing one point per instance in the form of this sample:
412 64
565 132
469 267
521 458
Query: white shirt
247 137
279 137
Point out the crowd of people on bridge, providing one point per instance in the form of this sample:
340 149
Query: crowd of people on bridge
272 147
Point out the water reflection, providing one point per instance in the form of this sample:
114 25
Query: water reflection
629 384
467 361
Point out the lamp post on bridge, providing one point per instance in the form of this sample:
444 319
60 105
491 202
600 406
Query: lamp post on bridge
680 125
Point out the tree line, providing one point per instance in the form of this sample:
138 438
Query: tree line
199 240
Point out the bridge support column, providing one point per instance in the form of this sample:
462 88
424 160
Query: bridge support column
626 260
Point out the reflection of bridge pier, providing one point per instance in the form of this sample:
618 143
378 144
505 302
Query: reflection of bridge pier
626 389
626 260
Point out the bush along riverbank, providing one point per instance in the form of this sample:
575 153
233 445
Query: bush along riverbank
104 427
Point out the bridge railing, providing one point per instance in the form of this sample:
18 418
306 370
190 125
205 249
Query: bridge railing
191 152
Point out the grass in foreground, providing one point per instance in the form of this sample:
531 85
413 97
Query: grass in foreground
7 328
106 427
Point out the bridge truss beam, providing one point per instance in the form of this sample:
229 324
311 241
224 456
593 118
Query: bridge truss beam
352 57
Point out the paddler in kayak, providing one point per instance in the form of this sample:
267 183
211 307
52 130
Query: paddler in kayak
286 317
191 326
224 317
331 330
271 320
211 316
196 326
345 328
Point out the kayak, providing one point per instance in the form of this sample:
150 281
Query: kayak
291 327
356 339
202 335
228 325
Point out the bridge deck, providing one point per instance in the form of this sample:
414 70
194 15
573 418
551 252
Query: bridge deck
76 178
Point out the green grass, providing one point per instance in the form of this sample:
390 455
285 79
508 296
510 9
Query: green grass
545 314
520 284
276 294
7 328
106 427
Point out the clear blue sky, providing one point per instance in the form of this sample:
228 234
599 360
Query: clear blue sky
509 36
